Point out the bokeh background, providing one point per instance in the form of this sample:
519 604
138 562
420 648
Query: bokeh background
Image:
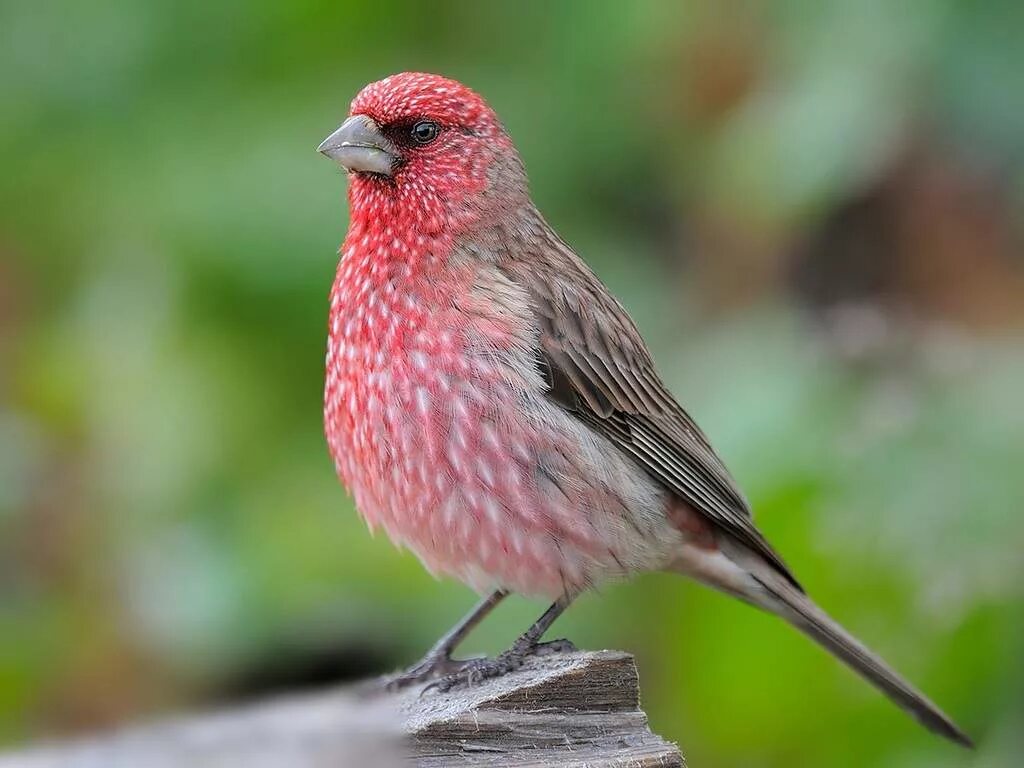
814 210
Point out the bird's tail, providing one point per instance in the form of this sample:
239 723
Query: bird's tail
750 578
802 613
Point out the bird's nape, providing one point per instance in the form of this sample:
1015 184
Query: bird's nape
495 409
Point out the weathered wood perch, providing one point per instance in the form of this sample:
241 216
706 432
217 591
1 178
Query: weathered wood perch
577 710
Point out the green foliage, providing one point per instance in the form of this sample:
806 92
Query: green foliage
169 518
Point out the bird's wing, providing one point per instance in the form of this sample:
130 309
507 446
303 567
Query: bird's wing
598 367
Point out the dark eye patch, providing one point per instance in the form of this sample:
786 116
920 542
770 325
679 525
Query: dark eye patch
414 133
424 131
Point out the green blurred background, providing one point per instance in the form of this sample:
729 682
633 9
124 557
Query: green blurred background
814 210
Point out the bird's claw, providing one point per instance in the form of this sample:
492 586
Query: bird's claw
430 667
561 645
475 671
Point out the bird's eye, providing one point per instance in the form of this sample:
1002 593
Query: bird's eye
425 131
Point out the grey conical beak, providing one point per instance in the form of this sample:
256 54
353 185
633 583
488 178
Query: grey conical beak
360 146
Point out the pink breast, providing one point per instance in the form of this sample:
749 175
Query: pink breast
429 435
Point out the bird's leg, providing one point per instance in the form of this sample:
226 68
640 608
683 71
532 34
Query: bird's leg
526 645
438 661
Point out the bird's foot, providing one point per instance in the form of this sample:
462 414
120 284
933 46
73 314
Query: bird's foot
475 671
430 667
561 645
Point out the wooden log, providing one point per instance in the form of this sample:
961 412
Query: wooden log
579 710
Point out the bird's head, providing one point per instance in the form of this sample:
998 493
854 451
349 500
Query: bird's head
429 145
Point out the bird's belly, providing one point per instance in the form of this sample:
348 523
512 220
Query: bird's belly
490 482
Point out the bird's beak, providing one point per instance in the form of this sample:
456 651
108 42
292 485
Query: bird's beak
359 145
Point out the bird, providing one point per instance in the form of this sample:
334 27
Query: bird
493 407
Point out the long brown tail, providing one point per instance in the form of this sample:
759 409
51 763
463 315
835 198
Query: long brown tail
802 613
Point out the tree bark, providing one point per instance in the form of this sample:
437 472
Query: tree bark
577 710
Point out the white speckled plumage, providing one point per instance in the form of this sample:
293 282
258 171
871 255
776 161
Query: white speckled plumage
493 407
426 425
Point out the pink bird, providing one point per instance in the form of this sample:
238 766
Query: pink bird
493 407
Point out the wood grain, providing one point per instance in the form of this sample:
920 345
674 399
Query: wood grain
575 710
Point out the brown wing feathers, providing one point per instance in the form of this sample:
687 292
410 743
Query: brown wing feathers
598 368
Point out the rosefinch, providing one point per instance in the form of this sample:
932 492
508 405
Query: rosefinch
493 407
